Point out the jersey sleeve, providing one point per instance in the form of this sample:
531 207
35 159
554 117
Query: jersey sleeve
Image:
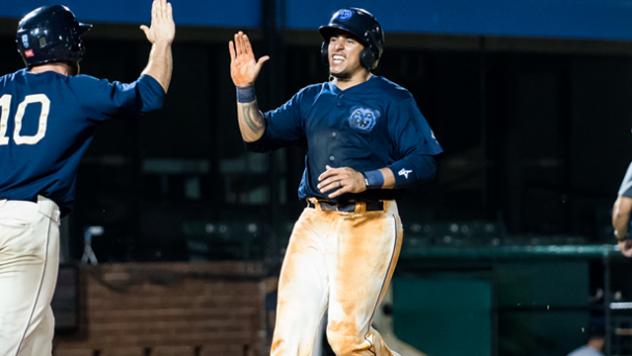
414 143
103 100
284 126
626 184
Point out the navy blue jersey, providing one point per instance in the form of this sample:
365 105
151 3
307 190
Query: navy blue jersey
369 126
626 185
47 122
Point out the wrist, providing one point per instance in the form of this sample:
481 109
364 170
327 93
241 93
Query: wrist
373 179
246 94
620 237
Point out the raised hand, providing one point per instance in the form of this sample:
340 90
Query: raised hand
244 69
162 28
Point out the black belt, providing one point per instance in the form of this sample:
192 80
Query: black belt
347 207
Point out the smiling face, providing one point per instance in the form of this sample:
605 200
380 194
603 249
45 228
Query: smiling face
344 56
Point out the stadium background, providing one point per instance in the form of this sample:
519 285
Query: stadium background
507 252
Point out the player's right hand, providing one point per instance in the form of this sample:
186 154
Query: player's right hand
626 247
162 28
243 67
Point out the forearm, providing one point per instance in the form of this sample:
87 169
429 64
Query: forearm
409 171
252 124
621 215
160 64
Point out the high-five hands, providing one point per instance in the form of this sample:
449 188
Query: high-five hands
162 28
244 69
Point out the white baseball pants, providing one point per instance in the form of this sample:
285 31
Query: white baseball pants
29 258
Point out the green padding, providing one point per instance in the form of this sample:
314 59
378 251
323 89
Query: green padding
542 284
444 314
541 333
410 250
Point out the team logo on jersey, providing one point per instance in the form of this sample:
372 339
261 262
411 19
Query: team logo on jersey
344 14
404 172
363 119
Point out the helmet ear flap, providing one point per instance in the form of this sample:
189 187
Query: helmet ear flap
367 58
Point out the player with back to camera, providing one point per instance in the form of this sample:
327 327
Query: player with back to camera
366 139
48 115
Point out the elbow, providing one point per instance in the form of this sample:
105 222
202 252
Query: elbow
621 210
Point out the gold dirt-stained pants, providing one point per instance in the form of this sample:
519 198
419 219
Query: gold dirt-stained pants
339 263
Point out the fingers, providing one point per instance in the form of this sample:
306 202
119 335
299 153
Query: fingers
328 173
342 190
145 29
260 63
247 46
231 50
169 11
163 9
154 10
330 185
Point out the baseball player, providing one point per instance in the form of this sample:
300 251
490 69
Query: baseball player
365 140
621 214
48 114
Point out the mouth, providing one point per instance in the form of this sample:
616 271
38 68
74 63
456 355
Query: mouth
337 59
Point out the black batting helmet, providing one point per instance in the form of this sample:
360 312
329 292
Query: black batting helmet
363 26
50 34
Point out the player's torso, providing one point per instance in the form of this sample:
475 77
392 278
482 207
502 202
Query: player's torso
41 125
349 128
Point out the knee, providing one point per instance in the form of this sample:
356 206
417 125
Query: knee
344 339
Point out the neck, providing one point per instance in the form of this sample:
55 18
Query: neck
596 344
61 68
355 79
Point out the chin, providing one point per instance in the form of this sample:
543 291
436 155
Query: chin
340 74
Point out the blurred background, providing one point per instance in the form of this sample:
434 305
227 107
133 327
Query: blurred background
507 252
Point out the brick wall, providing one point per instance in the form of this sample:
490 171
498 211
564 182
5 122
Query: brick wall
169 309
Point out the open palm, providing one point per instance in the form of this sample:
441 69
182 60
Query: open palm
244 69
162 26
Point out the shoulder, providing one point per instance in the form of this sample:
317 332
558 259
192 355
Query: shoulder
87 80
392 90
10 77
312 90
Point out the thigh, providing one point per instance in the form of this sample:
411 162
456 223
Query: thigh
302 290
367 252
28 271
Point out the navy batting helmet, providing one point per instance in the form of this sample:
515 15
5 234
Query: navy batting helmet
50 34
363 26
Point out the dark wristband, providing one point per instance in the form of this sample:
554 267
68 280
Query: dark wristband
246 94
373 179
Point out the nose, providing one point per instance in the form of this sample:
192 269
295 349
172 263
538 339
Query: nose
338 44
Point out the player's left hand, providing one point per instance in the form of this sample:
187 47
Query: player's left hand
163 28
626 247
340 181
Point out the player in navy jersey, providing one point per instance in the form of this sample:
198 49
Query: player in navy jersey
48 114
366 139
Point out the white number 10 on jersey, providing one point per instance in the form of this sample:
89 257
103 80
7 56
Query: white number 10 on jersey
5 107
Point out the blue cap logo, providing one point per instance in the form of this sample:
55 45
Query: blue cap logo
25 41
344 14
